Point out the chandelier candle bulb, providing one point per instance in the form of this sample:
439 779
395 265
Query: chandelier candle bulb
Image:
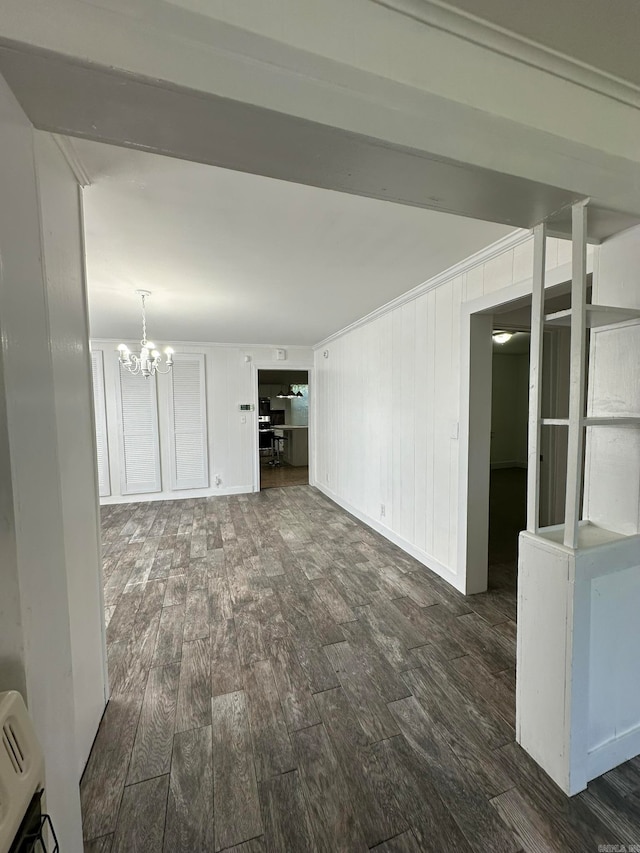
149 361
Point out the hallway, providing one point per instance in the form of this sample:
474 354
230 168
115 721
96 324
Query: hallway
284 679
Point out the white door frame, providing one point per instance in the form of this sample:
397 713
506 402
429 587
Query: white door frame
269 365
475 424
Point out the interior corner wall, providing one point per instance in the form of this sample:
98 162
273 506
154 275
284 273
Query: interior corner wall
388 409
62 229
232 447
612 470
37 563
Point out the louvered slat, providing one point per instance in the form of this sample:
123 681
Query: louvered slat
139 444
188 422
102 444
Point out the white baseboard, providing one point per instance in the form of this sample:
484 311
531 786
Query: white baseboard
426 559
148 497
510 463
609 755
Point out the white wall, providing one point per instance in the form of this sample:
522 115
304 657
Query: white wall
388 406
61 216
612 497
39 639
509 410
230 380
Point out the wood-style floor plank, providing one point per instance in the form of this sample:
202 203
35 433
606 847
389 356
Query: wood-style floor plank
104 777
194 691
170 635
405 843
152 747
99 845
379 815
287 825
141 817
471 809
272 750
226 676
335 823
189 825
293 688
418 795
236 804
373 714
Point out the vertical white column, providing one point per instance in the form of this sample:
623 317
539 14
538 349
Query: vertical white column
577 372
30 442
535 378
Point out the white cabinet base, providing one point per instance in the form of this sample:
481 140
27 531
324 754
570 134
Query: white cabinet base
578 684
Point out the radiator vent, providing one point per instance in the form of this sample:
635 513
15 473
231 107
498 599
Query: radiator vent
13 747
21 767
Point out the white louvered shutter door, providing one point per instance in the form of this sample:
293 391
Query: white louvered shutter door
188 422
139 445
102 444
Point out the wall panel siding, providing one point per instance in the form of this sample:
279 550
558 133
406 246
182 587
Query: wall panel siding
388 402
612 497
223 380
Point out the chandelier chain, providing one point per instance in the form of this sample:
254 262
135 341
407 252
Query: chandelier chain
144 322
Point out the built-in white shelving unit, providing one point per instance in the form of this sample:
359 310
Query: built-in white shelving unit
596 316
613 421
574 579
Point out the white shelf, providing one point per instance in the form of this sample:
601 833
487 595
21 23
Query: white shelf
594 422
597 315
589 535
612 421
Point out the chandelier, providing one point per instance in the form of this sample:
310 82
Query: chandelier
290 394
149 361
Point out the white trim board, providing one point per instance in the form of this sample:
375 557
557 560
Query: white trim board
608 755
175 343
310 371
147 497
427 560
464 25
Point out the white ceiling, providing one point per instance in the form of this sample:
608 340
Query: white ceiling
238 258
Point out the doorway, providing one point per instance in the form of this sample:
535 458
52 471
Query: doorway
508 450
500 510
510 427
283 428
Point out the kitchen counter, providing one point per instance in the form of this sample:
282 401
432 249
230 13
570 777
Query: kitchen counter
296 446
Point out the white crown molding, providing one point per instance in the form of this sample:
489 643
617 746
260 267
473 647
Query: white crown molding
72 157
501 246
457 22
211 344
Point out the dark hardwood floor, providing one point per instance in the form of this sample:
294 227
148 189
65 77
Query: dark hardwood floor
284 679
282 475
